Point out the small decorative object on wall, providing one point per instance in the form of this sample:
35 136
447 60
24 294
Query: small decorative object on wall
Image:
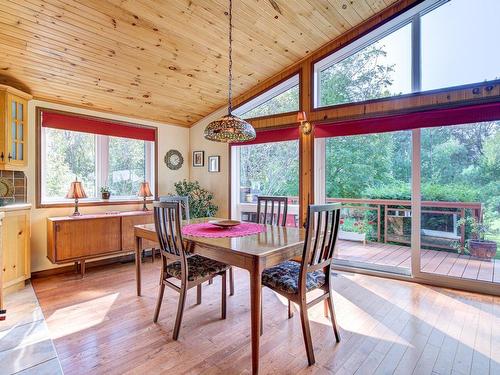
173 159
198 158
105 192
214 163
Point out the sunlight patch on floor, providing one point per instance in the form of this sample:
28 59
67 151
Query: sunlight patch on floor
81 316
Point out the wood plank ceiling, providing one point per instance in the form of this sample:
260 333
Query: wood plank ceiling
164 60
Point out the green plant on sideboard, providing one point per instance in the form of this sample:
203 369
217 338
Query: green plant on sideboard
200 200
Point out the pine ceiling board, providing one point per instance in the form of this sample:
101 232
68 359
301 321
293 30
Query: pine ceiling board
114 73
95 36
165 59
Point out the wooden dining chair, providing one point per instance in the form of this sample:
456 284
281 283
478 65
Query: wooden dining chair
272 210
177 262
184 201
294 280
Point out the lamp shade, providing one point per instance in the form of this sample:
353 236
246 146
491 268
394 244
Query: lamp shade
301 117
229 129
144 190
76 191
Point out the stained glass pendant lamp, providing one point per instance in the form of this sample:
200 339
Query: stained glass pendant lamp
230 128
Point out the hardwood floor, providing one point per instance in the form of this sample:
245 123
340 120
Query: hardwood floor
432 261
100 326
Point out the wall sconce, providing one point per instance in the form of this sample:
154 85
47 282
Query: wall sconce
305 126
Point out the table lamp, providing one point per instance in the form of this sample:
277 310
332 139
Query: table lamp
76 192
144 192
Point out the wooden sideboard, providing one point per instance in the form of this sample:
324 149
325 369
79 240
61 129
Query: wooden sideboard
79 238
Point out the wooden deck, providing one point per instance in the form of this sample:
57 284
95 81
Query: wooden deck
432 261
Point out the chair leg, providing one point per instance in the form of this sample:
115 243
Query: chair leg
180 311
306 332
158 303
198 294
153 253
231 282
290 309
334 320
224 294
325 307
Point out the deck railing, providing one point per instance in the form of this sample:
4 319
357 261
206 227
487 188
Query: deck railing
390 209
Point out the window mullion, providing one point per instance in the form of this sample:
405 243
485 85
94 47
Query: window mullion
102 160
416 54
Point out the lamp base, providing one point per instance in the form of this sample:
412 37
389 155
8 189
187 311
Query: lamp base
144 207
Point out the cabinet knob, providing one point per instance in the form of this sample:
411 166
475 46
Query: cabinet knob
20 232
14 266
2 156
10 157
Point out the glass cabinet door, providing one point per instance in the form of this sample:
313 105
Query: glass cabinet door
17 129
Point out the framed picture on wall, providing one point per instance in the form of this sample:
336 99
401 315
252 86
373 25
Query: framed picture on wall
214 163
198 158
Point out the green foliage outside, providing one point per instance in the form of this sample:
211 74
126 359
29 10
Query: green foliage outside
270 168
69 155
126 165
287 101
200 200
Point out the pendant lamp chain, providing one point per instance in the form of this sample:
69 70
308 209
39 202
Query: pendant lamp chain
230 83
230 128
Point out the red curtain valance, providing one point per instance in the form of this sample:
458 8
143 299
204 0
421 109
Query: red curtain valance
425 119
77 123
276 135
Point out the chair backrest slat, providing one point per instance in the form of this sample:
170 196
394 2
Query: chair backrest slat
183 200
322 227
168 221
272 218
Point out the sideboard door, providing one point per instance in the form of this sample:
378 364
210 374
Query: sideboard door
75 239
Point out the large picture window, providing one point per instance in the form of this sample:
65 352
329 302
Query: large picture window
425 48
98 160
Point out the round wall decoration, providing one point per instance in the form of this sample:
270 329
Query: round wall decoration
173 159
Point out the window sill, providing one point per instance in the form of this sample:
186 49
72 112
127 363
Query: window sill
92 202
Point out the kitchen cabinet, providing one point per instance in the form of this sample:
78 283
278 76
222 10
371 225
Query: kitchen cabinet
13 128
16 234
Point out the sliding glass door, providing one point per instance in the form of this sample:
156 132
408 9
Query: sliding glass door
460 202
370 175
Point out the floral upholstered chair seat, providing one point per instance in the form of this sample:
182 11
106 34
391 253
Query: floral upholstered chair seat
198 267
285 277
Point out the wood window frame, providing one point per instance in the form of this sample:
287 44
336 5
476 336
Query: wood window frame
95 202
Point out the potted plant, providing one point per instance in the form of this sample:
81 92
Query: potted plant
353 230
477 246
105 192
200 200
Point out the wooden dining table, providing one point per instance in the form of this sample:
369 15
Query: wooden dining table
252 252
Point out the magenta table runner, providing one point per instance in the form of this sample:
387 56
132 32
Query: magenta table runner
212 231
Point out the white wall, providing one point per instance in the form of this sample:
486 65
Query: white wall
169 137
217 183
